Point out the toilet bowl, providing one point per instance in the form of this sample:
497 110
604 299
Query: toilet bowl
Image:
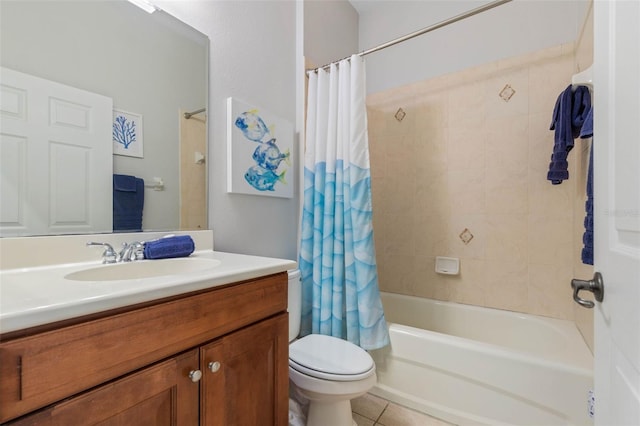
325 370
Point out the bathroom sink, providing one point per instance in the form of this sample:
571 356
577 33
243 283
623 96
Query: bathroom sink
143 269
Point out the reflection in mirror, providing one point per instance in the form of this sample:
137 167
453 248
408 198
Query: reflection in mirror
149 65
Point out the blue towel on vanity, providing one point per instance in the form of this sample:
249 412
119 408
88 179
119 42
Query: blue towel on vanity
568 118
587 237
174 246
128 202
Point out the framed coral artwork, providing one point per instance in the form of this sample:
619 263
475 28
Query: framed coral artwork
127 134
259 144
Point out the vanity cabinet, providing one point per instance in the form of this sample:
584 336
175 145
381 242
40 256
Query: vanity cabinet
217 357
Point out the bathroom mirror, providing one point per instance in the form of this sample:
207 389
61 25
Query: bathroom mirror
151 64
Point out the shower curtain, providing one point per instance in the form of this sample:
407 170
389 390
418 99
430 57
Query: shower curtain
337 256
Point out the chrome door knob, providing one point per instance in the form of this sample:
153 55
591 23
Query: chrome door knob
214 366
195 375
596 286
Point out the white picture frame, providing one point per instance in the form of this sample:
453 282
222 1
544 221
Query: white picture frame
127 134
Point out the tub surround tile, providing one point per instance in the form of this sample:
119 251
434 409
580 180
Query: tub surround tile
550 291
467 189
506 238
431 235
551 240
466 148
470 286
507 285
463 157
518 80
546 81
431 284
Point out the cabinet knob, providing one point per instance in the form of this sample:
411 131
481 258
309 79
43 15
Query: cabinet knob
214 366
195 375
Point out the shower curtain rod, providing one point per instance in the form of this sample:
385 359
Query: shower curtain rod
188 115
433 27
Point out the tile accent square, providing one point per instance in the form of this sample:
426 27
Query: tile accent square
507 92
400 114
466 236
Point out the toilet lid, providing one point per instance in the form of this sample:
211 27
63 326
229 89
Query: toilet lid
324 356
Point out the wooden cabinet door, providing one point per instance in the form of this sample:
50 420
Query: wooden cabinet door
159 395
250 387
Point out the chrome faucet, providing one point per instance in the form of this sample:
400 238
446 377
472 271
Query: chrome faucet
132 251
109 255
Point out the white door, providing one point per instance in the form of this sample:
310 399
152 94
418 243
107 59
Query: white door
55 158
617 210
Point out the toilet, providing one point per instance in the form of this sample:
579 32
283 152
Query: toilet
326 370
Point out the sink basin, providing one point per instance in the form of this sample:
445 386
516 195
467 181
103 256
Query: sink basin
143 269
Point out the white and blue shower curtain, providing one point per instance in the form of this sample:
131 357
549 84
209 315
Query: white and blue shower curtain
337 254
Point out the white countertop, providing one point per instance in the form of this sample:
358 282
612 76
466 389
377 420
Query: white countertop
39 295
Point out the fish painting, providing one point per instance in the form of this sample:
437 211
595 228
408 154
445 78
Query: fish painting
268 155
263 179
252 126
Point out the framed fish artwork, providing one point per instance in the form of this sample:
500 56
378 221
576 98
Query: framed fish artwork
259 157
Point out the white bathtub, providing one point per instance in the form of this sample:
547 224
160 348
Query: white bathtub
472 365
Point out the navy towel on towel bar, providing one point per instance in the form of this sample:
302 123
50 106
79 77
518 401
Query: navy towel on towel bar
128 202
569 114
587 237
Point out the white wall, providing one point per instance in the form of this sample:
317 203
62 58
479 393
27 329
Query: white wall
330 30
253 58
515 28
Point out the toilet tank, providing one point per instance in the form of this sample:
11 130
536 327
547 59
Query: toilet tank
294 306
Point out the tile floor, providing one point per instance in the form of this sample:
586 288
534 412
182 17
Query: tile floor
370 410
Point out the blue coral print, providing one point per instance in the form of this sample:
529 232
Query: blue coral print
268 157
124 131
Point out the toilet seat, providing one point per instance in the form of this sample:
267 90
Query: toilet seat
330 358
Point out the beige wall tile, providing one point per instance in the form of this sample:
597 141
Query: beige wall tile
507 285
470 287
467 191
399 234
432 235
546 81
507 148
477 225
465 158
432 196
429 283
506 238
466 148
467 106
397 275
518 104
550 290
550 240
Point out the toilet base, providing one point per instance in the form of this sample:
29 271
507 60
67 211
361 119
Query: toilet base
330 413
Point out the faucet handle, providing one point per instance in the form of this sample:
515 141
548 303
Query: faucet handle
109 255
132 251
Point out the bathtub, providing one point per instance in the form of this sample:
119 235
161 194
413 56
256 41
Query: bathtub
472 365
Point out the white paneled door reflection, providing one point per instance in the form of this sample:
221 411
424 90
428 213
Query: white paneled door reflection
55 158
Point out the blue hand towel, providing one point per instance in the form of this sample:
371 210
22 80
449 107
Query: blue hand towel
568 117
587 237
128 202
176 246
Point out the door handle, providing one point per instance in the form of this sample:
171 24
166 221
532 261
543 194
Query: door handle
596 286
